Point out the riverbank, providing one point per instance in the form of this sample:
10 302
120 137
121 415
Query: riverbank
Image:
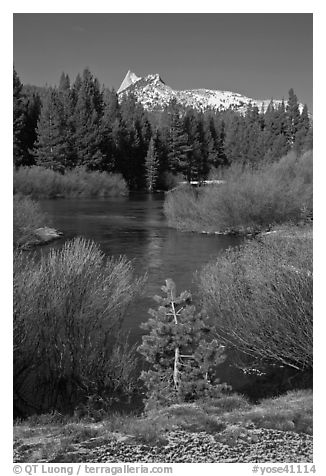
250 201
30 224
229 430
41 236
39 182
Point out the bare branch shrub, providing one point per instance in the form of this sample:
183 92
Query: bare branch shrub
27 217
249 199
39 182
259 298
68 308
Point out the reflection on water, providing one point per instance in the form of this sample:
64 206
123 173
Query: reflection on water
135 226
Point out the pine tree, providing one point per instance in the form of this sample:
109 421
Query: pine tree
181 350
138 129
253 147
212 142
87 118
191 167
177 141
151 166
204 139
32 104
111 107
270 129
121 146
161 149
66 97
234 130
219 142
111 115
19 150
302 132
51 147
293 117
75 90
276 126
308 143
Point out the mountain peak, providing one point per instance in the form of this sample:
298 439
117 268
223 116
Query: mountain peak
155 95
156 78
130 78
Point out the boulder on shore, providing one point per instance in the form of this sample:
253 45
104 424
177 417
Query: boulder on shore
42 236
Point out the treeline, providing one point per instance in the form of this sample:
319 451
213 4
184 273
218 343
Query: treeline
83 124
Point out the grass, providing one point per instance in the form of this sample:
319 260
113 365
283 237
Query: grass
39 182
224 404
250 199
228 420
68 308
290 412
49 442
260 298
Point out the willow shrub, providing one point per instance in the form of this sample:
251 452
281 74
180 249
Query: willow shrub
259 299
250 198
27 217
68 309
39 182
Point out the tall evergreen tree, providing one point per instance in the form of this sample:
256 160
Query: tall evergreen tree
253 147
151 166
219 141
67 102
271 128
177 140
33 106
139 133
234 130
161 149
191 162
308 143
111 116
276 126
293 117
51 147
87 117
300 141
19 151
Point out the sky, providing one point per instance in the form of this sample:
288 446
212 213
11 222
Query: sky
258 55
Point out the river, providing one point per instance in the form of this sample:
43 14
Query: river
135 226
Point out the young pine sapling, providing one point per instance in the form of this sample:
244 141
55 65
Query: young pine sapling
181 350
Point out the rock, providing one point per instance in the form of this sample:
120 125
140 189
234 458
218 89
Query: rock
47 234
93 442
42 236
71 456
126 439
262 446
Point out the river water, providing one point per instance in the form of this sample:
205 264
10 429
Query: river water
136 227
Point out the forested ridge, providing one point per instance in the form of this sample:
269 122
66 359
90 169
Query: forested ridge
83 124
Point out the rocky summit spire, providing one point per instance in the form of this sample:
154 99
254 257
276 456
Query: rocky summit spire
130 78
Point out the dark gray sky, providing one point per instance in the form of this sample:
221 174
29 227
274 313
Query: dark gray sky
259 55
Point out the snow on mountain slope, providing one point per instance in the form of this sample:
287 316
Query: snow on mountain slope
130 79
154 94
